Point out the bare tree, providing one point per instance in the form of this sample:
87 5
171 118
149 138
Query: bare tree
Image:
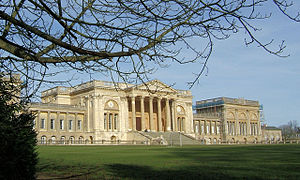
126 39
290 130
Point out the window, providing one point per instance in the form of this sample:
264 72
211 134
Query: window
207 129
79 124
105 123
43 140
42 123
213 129
109 121
178 124
72 140
62 140
80 140
34 123
218 129
52 124
202 129
197 127
53 139
61 124
70 124
182 124
115 121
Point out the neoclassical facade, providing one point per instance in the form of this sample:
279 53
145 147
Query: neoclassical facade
227 120
98 111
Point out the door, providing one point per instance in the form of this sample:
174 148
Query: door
138 124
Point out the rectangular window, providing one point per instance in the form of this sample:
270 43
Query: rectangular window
109 121
61 124
105 123
207 129
202 129
115 121
212 129
52 124
42 123
218 129
79 124
197 127
70 124
34 123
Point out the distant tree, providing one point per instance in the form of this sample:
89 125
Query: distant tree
125 39
290 130
18 138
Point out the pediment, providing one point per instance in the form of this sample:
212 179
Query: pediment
156 86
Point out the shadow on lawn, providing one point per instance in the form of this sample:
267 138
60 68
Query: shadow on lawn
144 172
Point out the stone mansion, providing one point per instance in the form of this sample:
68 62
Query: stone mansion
101 112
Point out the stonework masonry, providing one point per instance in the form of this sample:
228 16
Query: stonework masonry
99 112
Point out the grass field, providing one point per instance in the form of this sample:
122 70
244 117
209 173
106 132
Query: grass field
157 162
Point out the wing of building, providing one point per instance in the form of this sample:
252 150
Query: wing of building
227 120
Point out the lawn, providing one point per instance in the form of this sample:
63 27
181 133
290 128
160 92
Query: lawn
160 162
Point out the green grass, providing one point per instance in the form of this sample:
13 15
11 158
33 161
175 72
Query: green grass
157 162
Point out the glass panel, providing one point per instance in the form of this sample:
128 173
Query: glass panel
115 121
61 124
70 124
105 126
109 121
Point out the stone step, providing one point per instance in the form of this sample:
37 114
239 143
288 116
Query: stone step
170 138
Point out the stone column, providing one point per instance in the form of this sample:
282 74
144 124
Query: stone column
210 127
168 118
57 122
101 113
205 127
248 122
47 123
143 113
95 107
258 124
237 128
152 126
38 119
133 113
173 115
87 102
159 114
66 122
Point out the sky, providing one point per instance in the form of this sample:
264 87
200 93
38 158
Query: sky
250 72
238 71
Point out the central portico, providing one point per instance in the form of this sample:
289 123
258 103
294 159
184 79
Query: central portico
153 107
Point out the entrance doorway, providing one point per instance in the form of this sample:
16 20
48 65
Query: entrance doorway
138 123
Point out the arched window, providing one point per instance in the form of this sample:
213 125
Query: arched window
180 118
80 140
53 139
43 140
62 140
72 140
111 116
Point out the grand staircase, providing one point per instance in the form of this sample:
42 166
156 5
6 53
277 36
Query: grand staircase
169 138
